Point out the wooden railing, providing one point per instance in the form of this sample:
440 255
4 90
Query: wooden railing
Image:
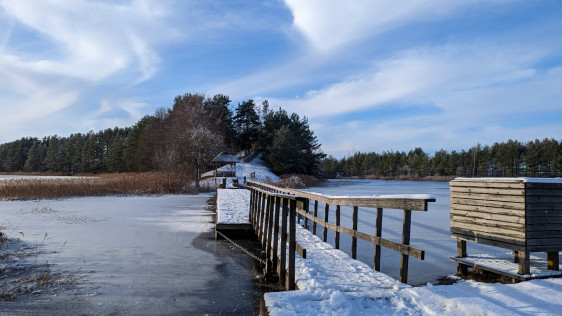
261 202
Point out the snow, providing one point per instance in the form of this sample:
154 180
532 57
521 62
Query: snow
382 196
505 263
520 179
233 206
331 283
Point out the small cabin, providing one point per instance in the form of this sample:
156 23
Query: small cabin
520 214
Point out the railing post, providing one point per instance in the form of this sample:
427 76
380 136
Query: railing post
354 239
292 243
276 232
378 233
262 215
405 241
337 241
266 221
283 255
250 215
315 215
306 206
269 244
325 231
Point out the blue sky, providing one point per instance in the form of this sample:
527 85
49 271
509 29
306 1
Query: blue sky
369 75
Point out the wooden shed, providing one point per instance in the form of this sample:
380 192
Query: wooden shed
520 214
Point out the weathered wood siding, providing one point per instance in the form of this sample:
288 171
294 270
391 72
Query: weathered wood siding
512 213
544 216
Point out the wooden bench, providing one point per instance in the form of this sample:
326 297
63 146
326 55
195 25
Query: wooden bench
520 214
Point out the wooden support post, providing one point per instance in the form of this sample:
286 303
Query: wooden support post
267 221
524 263
354 227
268 244
405 241
325 230
283 260
306 206
276 232
315 215
292 244
553 258
461 253
250 216
378 233
262 215
337 241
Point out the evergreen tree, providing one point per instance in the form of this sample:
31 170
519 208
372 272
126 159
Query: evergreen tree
246 122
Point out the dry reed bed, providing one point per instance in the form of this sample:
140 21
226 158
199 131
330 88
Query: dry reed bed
151 183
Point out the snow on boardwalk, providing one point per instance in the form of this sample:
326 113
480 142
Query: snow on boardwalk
233 206
331 283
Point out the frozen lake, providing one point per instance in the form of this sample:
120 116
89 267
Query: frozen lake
430 230
131 255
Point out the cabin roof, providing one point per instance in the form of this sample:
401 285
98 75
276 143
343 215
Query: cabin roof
226 158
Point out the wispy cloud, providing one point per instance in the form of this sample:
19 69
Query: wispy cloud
65 48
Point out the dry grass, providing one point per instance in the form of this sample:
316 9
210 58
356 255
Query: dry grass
109 184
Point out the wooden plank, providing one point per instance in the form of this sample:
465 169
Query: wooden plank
490 232
553 260
325 231
338 222
520 218
471 236
390 203
354 228
544 185
488 223
544 206
544 241
489 209
544 227
544 220
378 233
473 265
489 197
487 203
488 184
543 199
493 191
544 234
404 259
545 248
532 192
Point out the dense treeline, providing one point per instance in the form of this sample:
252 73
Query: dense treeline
184 138
507 159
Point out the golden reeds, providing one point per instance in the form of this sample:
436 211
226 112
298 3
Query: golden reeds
108 184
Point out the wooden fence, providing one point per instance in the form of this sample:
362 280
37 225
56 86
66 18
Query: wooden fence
266 201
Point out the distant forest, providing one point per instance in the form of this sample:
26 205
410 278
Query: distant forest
184 138
507 159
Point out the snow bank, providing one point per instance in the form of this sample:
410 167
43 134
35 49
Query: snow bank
520 179
331 283
233 206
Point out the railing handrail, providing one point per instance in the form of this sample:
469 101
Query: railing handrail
399 203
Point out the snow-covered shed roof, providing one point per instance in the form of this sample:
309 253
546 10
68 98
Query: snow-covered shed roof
226 158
